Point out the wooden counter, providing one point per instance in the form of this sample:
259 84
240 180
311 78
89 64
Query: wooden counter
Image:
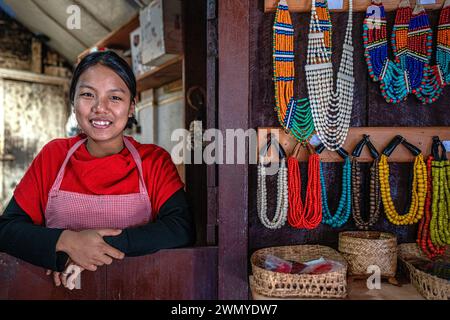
188 273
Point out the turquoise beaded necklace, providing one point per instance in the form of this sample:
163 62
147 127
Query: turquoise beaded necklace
345 202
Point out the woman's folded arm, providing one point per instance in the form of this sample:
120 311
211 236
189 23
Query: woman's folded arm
35 244
172 228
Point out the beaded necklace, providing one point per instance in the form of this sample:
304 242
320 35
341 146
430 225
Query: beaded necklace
374 185
331 109
411 71
424 79
443 44
419 186
345 202
440 207
280 216
309 215
424 233
293 115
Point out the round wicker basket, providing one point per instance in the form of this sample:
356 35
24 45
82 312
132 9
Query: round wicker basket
362 249
429 286
277 284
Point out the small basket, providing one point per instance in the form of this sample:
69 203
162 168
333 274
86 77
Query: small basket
429 286
364 248
286 285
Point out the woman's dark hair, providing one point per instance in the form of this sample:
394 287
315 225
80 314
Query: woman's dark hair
113 61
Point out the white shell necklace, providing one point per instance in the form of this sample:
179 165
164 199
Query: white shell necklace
331 110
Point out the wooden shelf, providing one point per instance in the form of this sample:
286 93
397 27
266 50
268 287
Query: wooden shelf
117 39
357 290
168 72
120 39
421 137
358 5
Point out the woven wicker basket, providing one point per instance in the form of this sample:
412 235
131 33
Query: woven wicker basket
277 284
364 248
429 286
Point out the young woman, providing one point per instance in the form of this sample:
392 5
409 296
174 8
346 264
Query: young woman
100 195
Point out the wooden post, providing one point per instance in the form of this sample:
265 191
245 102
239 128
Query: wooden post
36 56
234 113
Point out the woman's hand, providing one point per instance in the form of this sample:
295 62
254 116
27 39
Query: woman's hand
88 249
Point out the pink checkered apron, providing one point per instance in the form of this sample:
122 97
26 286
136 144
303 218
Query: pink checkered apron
76 211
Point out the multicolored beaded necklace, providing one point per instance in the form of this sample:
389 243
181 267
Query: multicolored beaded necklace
293 115
331 109
374 185
443 43
308 215
440 206
280 216
424 240
340 217
411 71
419 186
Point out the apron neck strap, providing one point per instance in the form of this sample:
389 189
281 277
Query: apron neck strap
128 145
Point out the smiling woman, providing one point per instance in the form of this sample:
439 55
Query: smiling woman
98 196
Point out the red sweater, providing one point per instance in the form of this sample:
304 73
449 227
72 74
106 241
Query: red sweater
115 174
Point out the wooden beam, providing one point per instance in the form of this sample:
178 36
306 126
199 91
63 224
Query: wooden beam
27 76
421 137
358 5
116 39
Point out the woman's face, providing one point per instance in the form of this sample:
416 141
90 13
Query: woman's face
102 103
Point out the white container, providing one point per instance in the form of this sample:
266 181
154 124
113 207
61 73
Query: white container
136 53
161 31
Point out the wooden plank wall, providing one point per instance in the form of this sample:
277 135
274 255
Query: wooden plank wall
369 109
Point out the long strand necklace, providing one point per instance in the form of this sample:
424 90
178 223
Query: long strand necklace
440 208
281 210
294 115
331 110
374 185
424 233
419 187
309 215
340 217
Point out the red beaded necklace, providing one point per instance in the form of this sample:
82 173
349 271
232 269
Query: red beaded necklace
309 214
423 235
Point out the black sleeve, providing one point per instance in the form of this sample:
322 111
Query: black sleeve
35 244
172 228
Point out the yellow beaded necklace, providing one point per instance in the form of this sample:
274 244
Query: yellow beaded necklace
419 186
